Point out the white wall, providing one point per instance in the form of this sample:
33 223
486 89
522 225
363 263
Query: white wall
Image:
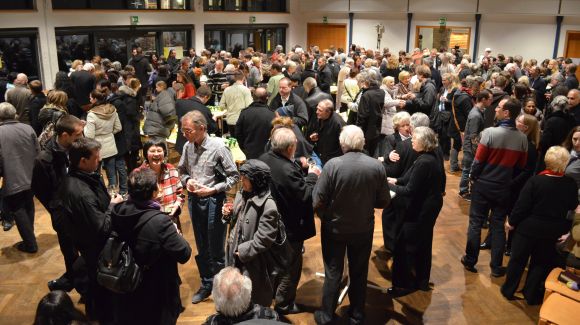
525 27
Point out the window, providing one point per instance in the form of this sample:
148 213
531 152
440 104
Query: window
123 4
19 52
245 5
233 38
72 47
116 43
17 5
443 37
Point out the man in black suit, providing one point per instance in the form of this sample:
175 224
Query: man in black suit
195 103
539 85
324 129
142 66
83 82
324 75
254 125
292 191
287 103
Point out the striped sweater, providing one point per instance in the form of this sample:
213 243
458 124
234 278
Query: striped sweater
501 155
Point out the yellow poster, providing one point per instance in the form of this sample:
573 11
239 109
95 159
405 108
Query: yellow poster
178 51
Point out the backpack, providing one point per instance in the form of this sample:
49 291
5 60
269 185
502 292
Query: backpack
49 129
117 269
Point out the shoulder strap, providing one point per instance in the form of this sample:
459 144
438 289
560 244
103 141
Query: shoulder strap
454 114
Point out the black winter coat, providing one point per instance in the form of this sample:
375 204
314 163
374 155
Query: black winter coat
489 113
426 99
557 126
121 136
182 107
50 168
133 119
83 83
463 105
370 107
325 79
327 146
315 96
253 129
407 158
36 104
142 66
423 186
156 245
292 191
300 112
81 207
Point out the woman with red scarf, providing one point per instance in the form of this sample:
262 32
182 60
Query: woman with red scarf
539 219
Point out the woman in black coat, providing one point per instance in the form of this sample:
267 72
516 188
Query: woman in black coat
539 219
132 122
157 247
557 126
422 187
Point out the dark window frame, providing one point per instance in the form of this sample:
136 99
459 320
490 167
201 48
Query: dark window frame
121 5
229 6
92 31
26 32
224 28
26 5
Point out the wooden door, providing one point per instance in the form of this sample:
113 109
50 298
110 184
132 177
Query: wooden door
326 35
572 47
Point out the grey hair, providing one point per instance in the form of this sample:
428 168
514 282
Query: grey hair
232 292
419 119
557 76
428 61
559 103
117 66
282 139
195 117
310 83
351 138
7 111
369 77
328 104
426 137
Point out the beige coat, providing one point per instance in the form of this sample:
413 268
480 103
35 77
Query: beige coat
102 123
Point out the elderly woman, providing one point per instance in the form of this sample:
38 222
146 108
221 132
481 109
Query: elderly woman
557 126
255 231
423 187
170 195
539 218
402 131
404 87
389 110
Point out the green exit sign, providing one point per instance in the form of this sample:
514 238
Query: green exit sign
252 19
134 20
442 21
325 20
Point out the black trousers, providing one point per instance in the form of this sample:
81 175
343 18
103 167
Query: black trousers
542 255
358 250
483 199
288 282
67 248
232 130
413 252
21 207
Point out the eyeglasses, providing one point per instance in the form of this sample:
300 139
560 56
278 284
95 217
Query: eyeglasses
186 131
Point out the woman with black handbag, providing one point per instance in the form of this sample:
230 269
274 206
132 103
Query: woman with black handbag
257 232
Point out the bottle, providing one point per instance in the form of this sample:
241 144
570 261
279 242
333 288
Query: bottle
216 102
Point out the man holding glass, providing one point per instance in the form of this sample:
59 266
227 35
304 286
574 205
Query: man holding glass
207 171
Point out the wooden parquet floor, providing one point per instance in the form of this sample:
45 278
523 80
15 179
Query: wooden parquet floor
459 297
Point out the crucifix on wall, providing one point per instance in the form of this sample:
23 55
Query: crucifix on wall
380 28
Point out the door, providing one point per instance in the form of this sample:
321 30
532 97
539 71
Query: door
572 48
326 35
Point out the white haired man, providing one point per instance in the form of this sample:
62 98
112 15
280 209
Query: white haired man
18 148
232 293
348 221
20 97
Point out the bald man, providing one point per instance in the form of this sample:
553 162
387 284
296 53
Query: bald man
20 96
254 125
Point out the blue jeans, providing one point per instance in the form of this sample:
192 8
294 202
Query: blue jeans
209 231
116 166
466 165
487 197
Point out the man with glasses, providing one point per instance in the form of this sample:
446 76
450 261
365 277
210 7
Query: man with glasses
207 170
501 155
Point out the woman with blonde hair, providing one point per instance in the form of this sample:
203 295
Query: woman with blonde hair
404 86
539 219
54 108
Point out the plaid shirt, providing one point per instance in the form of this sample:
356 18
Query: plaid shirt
170 187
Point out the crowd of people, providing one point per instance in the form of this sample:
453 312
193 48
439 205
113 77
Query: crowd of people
329 132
